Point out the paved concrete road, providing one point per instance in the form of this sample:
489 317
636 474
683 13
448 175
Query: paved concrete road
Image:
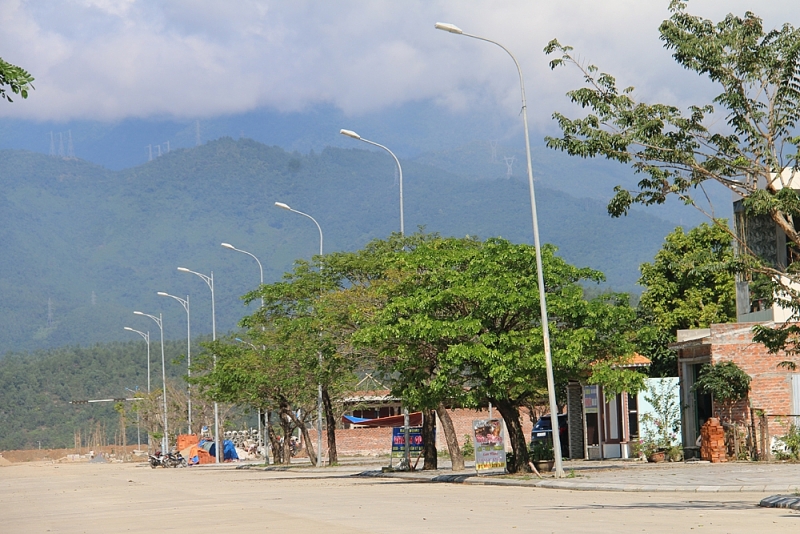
134 498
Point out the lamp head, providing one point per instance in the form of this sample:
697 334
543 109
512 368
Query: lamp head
184 270
138 313
129 328
283 206
162 294
228 245
350 133
452 28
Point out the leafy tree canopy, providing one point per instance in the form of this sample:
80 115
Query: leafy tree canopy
13 78
677 151
689 284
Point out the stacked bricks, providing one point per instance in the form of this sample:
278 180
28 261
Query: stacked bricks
712 447
771 385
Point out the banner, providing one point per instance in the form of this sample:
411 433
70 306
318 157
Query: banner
415 443
490 453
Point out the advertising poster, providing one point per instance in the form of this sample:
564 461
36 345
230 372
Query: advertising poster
490 453
590 400
415 443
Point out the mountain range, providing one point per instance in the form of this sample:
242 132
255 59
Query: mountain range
85 246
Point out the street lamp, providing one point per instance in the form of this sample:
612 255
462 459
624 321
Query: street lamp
185 304
354 135
559 473
266 419
350 133
146 336
319 353
261 271
260 268
209 280
159 321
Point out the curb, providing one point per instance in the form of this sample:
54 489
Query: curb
582 486
781 501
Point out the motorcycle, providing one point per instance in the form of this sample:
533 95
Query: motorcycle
171 459
175 459
156 460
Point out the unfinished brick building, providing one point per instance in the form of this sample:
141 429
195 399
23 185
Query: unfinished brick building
774 390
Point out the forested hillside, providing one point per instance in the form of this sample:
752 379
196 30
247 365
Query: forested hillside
36 388
84 246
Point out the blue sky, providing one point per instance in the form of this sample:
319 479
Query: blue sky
108 60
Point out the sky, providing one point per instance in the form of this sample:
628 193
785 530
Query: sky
110 60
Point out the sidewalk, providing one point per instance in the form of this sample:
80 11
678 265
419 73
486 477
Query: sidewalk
633 476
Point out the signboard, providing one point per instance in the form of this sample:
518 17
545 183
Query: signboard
415 443
590 399
490 452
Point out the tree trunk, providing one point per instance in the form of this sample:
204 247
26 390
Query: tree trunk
286 426
519 445
312 455
274 441
330 421
450 437
429 440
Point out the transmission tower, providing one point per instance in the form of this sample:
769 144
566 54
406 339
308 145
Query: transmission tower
493 144
149 152
60 145
509 165
70 149
52 146
49 312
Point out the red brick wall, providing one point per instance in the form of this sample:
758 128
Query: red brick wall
376 441
770 387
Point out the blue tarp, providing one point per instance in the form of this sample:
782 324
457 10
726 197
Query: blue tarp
355 420
228 449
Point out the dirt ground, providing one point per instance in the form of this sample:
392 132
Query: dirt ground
34 455
120 497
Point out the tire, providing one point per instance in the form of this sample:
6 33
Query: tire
184 463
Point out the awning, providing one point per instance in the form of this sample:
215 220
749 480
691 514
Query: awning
414 419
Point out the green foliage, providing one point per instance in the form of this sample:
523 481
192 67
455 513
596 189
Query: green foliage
689 284
542 451
757 71
661 429
724 381
36 390
468 449
755 152
790 449
14 78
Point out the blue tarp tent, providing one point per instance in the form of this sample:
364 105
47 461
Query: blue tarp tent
228 449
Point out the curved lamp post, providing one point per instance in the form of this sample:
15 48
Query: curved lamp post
354 135
209 280
260 268
261 272
160 323
350 133
185 304
146 336
559 470
319 354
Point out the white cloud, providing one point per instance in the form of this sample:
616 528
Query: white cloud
112 59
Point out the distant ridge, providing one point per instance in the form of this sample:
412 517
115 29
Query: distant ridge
70 228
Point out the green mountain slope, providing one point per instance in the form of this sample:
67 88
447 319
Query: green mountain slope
83 246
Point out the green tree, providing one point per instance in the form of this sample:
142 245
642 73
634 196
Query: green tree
461 322
14 78
688 285
754 152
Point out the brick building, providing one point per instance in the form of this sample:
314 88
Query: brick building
773 390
